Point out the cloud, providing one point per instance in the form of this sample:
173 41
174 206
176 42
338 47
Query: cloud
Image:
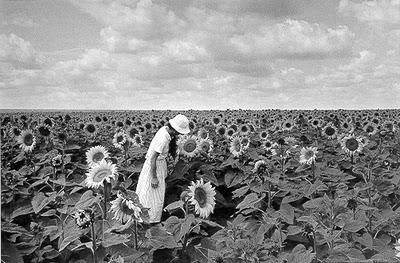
294 38
19 52
20 19
142 19
386 11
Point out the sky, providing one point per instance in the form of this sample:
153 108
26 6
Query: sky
199 54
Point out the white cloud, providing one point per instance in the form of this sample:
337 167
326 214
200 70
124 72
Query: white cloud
294 38
141 19
20 19
19 52
387 11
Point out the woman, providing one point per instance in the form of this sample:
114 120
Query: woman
151 183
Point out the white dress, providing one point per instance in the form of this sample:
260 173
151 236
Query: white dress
150 197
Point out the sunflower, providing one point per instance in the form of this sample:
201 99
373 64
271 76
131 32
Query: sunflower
202 134
308 155
229 133
138 140
15 132
83 218
352 144
57 161
44 130
329 131
267 145
96 154
125 210
316 122
188 145
98 173
202 196
245 141
220 130
259 167
388 126
216 121
27 140
206 145
347 126
236 147
131 133
370 128
119 139
234 127
90 129
263 135
244 129
288 125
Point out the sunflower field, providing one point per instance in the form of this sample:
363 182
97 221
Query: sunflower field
246 186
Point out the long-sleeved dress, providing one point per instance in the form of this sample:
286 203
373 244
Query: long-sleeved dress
150 197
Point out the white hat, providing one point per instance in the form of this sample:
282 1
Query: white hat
180 123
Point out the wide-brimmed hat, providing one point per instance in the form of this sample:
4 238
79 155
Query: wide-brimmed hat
180 123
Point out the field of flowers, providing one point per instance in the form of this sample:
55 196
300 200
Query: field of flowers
247 186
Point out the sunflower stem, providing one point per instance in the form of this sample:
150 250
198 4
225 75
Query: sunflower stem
105 200
315 246
93 242
136 235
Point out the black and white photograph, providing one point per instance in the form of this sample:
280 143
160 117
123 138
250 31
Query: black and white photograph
200 131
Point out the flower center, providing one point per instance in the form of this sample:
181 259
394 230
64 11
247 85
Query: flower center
203 135
308 155
133 132
101 175
352 144
44 131
329 131
190 146
125 208
97 157
369 128
28 139
201 196
90 128
205 146
120 138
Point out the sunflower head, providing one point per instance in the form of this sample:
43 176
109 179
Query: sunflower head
125 209
202 134
329 131
308 155
188 145
206 145
236 147
96 154
83 218
27 140
202 196
44 130
98 173
260 167
90 129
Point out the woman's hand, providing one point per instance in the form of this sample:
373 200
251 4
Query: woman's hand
154 182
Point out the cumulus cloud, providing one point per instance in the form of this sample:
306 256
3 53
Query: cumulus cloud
19 52
20 19
387 11
294 38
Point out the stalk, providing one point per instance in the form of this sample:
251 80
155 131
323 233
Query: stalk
105 200
136 236
93 242
315 245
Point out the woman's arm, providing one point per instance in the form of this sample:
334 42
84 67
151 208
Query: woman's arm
153 169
